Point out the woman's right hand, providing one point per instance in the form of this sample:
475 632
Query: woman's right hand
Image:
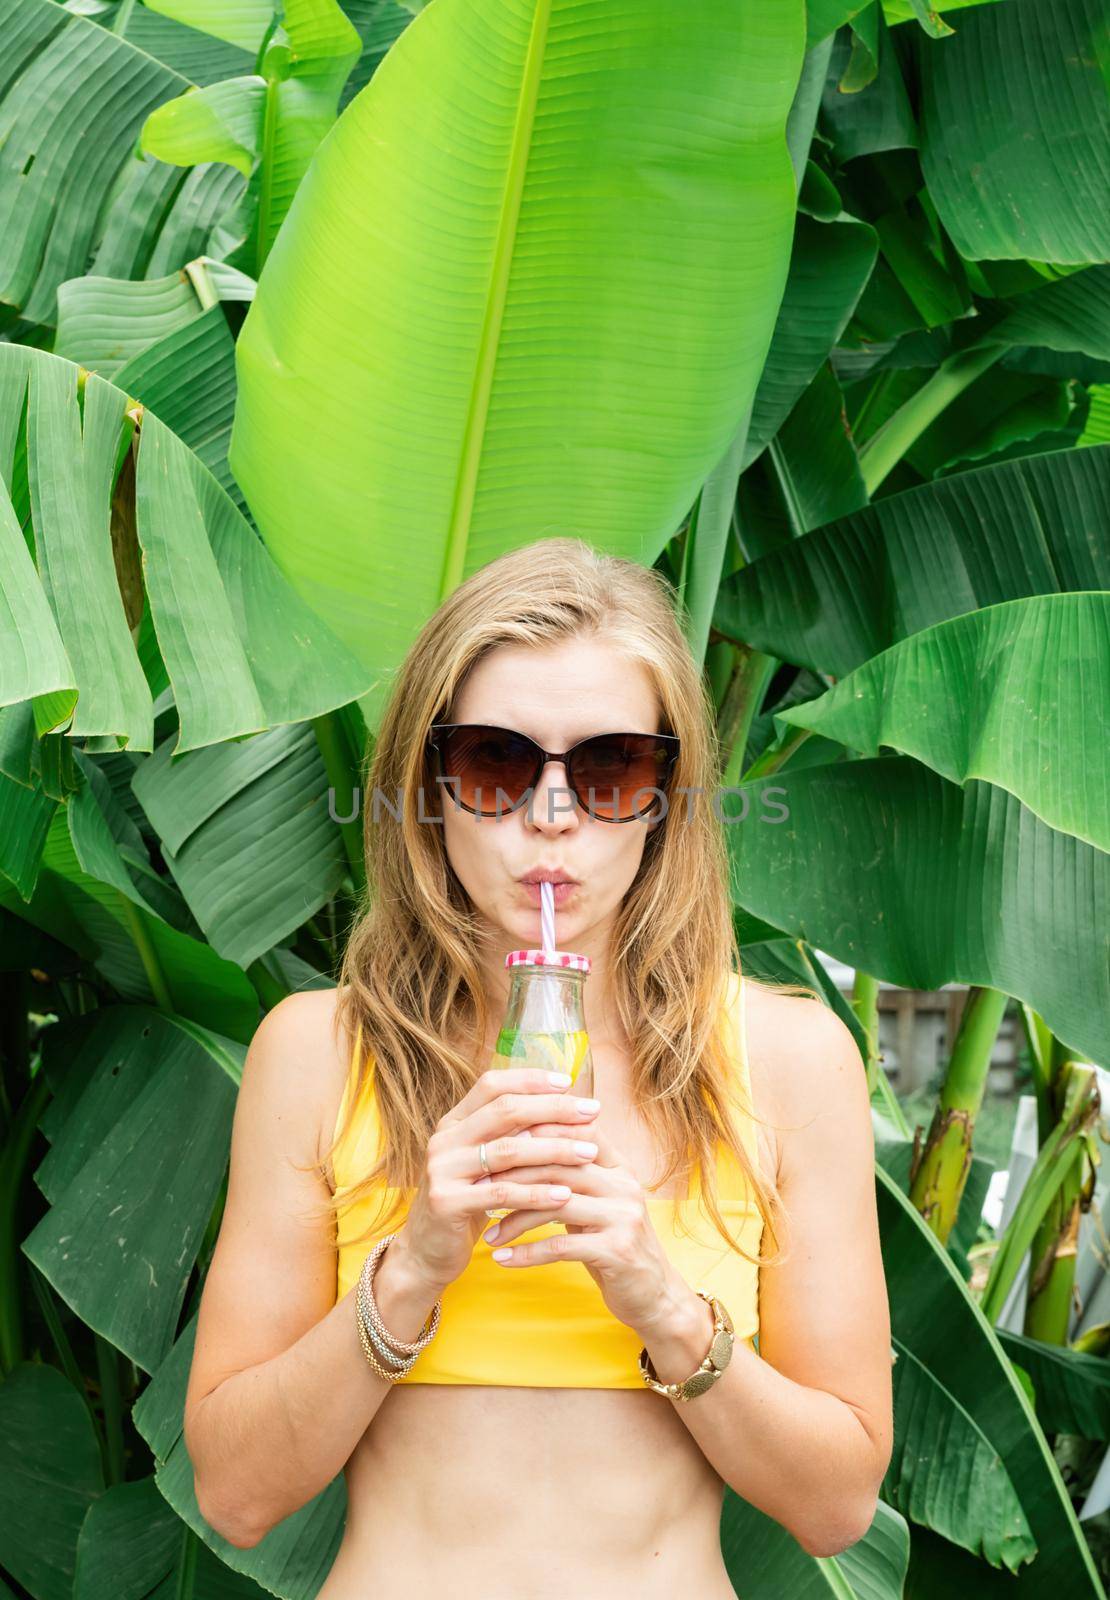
449 1208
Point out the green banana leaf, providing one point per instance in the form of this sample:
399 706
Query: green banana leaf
846 591
829 266
99 912
1071 314
267 124
74 98
766 1563
164 217
1000 192
1002 415
809 475
380 24
153 1124
187 379
201 57
246 832
1071 1388
1010 694
508 300
936 1324
874 118
239 22
885 865
242 650
104 322
130 1539
50 1475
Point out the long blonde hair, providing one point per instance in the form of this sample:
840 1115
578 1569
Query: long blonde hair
411 977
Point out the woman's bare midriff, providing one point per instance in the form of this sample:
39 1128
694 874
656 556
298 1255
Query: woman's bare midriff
477 1492
482 1492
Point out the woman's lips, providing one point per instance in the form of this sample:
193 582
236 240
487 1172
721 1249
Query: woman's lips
562 892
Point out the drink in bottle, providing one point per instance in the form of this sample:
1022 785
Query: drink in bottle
545 1022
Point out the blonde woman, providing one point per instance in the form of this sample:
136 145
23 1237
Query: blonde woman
499 1433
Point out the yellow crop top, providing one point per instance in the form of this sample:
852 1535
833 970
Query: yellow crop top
549 1326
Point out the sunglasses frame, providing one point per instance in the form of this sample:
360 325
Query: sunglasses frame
438 729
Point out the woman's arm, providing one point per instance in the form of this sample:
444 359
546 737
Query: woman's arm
279 1390
804 1429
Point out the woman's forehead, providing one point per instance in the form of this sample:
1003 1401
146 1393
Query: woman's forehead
559 693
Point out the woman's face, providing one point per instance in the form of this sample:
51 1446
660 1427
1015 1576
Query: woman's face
556 695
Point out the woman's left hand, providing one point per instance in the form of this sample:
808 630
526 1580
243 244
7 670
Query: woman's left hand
608 1229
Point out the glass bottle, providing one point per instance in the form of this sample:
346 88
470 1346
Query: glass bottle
545 1023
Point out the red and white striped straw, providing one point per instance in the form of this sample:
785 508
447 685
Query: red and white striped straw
547 916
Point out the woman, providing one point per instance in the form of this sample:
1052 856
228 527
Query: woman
523 1452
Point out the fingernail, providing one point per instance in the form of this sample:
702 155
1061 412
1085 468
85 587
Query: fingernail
585 1148
560 1190
589 1105
491 1233
502 1254
525 1133
559 1079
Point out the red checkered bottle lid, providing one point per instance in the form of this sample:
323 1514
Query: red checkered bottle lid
548 958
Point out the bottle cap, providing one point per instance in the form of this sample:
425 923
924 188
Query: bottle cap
548 958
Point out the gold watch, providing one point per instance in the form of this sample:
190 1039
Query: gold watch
716 1359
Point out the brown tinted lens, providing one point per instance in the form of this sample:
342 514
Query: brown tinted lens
620 770
477 762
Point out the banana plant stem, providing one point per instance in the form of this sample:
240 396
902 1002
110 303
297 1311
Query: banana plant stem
1054 1160
939 1169
865 1004
900 432
1052 1271
343 781
752 672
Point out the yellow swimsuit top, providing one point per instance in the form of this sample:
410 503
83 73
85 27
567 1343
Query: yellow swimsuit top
548 1325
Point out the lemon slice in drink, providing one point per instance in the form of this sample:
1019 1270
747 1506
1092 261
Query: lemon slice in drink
580 1043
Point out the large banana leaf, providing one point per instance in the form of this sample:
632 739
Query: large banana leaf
888 867
766 1563
829 265
1071 1389
133 1172
132 1546
937 1325
163 217
1015 694
242 650
86 899
838 596
74 98
1070 314
246 833
267 124
239 22
1001 189
104 322
50 1474
541 308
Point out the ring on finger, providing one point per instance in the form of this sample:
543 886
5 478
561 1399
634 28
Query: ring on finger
482 1158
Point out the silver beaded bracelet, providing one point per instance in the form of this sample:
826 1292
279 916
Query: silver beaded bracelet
399 1353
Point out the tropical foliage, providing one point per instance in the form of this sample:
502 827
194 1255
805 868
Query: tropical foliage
305 314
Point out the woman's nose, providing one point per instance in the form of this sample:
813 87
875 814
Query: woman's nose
554 801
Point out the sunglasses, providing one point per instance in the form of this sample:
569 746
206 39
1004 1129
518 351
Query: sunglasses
610 774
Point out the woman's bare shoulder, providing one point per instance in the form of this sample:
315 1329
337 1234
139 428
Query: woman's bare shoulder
300 1049
798 1051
